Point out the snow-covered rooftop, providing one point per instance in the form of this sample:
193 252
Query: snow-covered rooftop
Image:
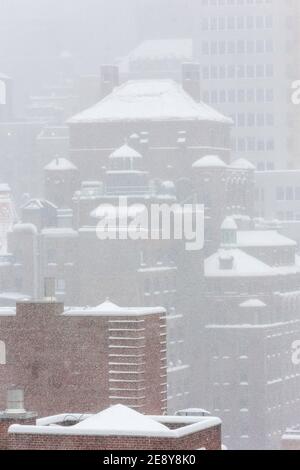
121 418
242 164
210 161
24 228
125 152
144 100
7 311
15 296
61 164
108 308
118 420
5 188
243 265
38 204
163 49
253 303
263 238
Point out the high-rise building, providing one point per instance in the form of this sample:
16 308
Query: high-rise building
248 57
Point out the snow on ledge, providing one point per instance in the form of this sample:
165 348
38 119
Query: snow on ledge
7 312
197 425
108 308
118 420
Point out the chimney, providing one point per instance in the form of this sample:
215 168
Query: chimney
14 414
191 80
15 401
109 79
226 261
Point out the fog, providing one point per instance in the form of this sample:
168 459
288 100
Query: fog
150 216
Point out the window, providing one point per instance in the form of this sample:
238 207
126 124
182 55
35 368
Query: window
243 379
2 353
280 194
60 286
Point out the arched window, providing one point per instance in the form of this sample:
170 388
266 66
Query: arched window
2 353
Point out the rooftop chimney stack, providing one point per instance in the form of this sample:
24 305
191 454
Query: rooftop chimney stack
109 79
191 80
15 401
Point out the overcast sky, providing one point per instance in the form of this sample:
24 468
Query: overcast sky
34 33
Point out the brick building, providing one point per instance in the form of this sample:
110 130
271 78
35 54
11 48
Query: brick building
117 428
165 121
62 243
84 358
291 439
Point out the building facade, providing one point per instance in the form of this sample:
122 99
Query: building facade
84 358
252 295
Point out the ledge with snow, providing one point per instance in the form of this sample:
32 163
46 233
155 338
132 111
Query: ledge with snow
117 428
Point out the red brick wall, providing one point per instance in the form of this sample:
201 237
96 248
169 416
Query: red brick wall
290 444
63 362
209 438
6 371
89 144
6 423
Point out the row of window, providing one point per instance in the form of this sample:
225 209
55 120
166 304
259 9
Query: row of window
286 216
288 193
223 23
232 71
259 46
265 166
253 119
259 95
251 144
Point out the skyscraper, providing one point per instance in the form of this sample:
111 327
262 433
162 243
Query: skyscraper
248 52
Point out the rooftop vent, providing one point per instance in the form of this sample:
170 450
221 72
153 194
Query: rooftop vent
15 401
